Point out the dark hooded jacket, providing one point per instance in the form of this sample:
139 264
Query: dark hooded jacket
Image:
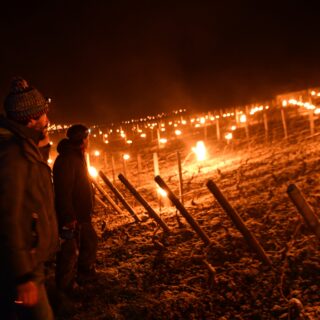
28 226
73 190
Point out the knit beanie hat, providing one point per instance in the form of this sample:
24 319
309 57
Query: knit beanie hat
77 132
24 103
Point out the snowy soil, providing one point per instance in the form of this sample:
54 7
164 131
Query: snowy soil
145 274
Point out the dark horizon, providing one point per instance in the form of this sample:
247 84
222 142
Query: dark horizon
113 61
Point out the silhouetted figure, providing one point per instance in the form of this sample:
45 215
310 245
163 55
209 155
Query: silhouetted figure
74 206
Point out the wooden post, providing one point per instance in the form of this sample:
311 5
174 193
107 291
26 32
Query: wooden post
311 112
101 202
311 120
180 177
304 209
183 211
218 129
88 159
266 126
139 168
118 195
284 123
105 160
157 172
238 222
205 132
113 169
100 189
236 114
158 137
124 164
247 123
155 164
144 203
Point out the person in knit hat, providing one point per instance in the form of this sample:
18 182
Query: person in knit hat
28 226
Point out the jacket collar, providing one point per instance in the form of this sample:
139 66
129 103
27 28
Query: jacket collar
20 130
29 138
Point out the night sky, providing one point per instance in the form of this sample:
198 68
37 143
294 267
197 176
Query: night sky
103 61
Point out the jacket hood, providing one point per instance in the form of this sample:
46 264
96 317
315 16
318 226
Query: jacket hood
65 146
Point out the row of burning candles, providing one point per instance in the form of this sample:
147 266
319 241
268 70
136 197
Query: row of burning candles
199 150
197 122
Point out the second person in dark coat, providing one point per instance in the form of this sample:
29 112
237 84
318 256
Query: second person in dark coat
74 206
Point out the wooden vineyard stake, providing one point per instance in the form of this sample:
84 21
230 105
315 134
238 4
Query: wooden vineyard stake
101 202
304 209
139 168
155 164
124 166
144 203
110 200
105 162
183 211
236 219
180 176
156 172
284 123
117 193
113 169
266 127
311 120
88 159
158 136
218 129
247 123
205 132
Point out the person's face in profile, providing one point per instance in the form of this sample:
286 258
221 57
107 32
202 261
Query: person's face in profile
40 124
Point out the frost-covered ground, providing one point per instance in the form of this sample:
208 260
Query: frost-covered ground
145 274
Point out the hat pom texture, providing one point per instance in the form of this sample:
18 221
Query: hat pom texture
24 102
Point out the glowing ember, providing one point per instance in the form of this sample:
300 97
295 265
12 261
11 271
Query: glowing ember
162 192
163 140
97 153
143 135
200 150
178 132
126 156
129 141
228 136
93 172
243 118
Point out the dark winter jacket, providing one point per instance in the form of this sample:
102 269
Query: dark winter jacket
73 190
28 226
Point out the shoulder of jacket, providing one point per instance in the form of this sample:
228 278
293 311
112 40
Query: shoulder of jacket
5 134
